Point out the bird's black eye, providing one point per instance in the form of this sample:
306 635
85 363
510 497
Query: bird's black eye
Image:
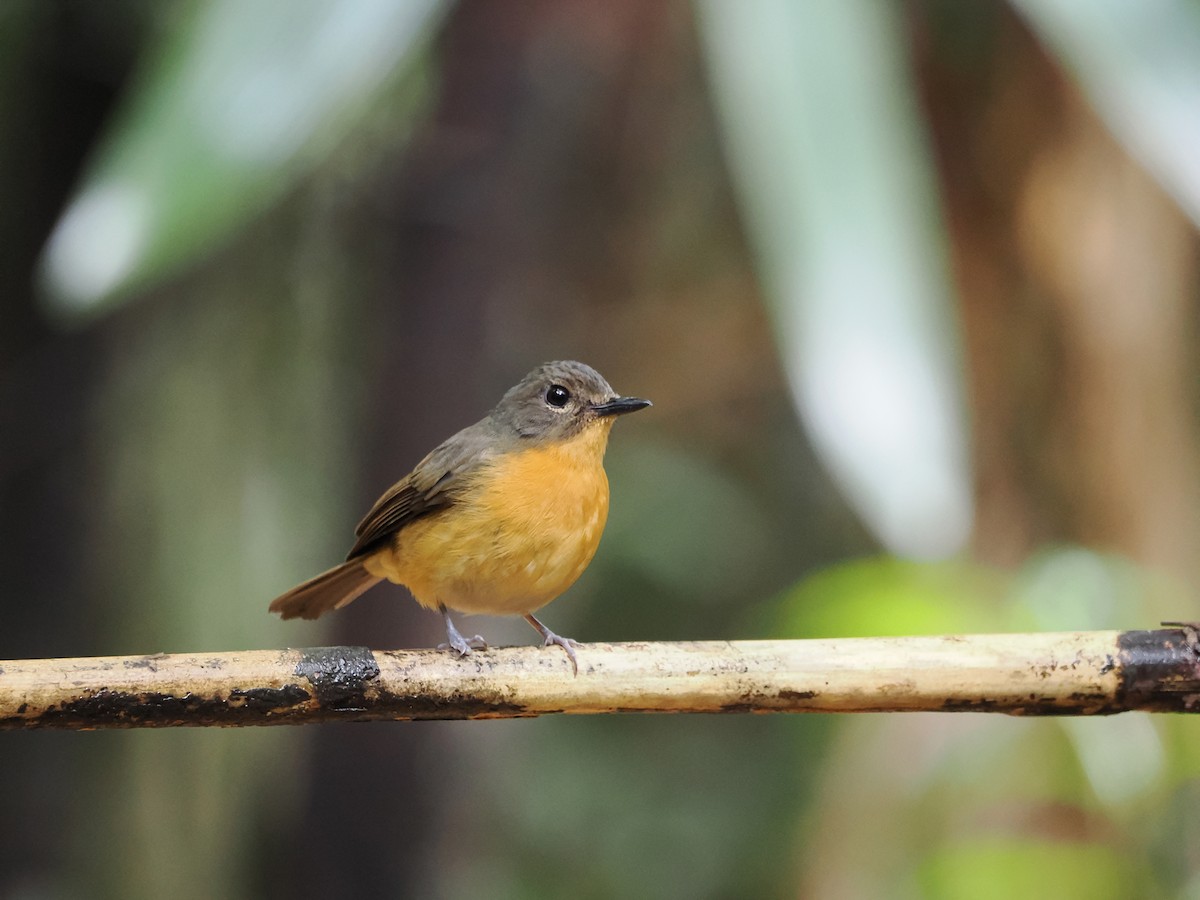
557 396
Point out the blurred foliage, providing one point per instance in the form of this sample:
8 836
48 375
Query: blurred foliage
990 804
889 596
1137 63
997 869
238 102
661 486
841 204
354 224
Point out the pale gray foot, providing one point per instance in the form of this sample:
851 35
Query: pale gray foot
549 637
456 641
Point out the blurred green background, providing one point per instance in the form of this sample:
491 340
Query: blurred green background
913 286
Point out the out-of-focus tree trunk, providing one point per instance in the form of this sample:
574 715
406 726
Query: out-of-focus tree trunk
1078 282
1116 261
59 76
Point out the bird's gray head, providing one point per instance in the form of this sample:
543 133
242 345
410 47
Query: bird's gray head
557 400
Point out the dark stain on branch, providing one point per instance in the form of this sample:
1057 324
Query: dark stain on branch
267 699
421 704
123 707
339 676
1080 703
972 704
796 696
128 709
1160 670
149 661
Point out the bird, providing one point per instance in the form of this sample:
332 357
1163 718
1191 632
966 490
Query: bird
499 519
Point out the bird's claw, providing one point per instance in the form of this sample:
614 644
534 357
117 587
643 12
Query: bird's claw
549 637
568 644
455 641
464 646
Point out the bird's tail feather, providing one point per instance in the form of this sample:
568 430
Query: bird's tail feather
329 590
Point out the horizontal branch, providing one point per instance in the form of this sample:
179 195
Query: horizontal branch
1076 673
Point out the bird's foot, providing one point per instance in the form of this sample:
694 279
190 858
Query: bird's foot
550 638
463 645
458 643
568 644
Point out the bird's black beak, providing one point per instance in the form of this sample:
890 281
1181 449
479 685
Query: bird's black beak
620 405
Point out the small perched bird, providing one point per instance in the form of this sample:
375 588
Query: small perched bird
500 519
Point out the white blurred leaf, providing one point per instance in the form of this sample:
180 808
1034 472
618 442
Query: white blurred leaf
240 100
826 146
1138 62
1123 761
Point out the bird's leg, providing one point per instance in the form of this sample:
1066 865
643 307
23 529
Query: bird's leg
455 640
568 644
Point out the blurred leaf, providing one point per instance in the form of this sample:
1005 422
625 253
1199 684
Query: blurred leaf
1070 588
683 829
826 144
1121 764
1065 588
683 523
888 596
1139 64
1002 869
240 100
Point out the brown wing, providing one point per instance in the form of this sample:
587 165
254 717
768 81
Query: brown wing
436 482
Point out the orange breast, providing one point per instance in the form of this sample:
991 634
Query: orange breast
519 537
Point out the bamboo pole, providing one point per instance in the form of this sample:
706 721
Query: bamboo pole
1073 673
